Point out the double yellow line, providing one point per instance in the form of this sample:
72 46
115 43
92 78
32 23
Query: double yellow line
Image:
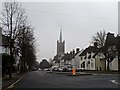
13 84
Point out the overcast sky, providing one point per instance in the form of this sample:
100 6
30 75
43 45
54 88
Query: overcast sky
79 22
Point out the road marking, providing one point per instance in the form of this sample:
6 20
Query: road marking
101 74
12 85
113 81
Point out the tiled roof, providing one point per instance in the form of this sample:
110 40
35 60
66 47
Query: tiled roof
68 56
88 50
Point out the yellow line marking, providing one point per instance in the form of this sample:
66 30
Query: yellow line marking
12 85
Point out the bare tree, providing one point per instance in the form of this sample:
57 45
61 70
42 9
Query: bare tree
13 17
26 45
109 47
99 38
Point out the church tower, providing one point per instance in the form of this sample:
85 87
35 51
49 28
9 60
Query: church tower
60 45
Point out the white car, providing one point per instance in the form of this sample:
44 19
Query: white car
69 69
60 69
39 69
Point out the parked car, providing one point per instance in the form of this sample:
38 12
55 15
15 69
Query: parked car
54 68
39 69
65 69
47 69
69 69
60 69
34 69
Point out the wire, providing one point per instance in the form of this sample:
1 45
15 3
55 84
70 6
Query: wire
66 14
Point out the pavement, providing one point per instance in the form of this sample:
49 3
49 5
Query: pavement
43 79
6 81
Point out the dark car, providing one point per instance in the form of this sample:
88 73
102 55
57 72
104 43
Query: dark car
34 69
69 69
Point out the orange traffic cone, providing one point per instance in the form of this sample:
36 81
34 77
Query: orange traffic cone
73 71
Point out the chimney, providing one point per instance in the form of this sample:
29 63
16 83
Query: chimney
73 51
77 50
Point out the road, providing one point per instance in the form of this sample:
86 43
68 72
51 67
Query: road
42 79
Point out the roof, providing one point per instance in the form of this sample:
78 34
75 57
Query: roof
88 50
4 41
68 56
77 53
118 43
110 40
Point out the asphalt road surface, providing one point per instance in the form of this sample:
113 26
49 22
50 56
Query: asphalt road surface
42 79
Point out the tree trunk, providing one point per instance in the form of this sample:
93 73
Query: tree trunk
10 63
108 62
9 72
24 66
108 65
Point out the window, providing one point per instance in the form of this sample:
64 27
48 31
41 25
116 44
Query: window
91 64
88 62
83 65
91 59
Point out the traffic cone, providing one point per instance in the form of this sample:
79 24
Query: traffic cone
73 71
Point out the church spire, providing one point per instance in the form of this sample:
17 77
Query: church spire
60 45
61 35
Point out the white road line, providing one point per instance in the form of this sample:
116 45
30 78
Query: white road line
113 81
100 74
